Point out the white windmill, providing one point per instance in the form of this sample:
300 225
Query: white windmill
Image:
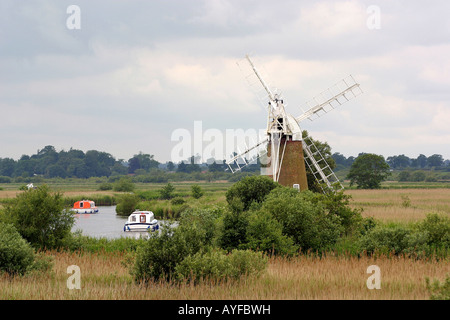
283 146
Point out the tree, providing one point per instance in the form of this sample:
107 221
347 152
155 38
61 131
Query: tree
142 161
40 217
398 162
435 160
368 171
421 161
170 166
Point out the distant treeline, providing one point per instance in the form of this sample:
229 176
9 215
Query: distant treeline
400 162
49 163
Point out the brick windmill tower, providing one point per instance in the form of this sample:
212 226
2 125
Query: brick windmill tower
284 153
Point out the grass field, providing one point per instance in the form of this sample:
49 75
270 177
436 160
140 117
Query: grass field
105 276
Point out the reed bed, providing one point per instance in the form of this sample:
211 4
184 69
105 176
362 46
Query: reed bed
104 276
401 205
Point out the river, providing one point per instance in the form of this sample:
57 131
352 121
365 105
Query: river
104 224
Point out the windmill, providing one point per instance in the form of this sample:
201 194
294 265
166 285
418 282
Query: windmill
283 149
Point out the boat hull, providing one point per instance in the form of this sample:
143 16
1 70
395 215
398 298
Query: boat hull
90 210
140 227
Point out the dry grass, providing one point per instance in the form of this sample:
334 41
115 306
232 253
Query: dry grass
103 276
401 205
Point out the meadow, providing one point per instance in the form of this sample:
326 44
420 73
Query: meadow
105 273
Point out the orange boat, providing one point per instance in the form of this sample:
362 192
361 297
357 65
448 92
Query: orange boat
84 206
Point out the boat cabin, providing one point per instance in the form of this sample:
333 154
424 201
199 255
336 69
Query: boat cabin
85 206
141 220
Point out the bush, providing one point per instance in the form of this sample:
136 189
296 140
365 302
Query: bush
205 220
105 186
428 237
126 204
158 257
123 185
437 290
4 179
251 189
166 193
438 230
234 227
177 201
264 233
303 218
386 240
40 217
196 191
216 265
16 254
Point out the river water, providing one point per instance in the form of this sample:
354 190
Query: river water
104 224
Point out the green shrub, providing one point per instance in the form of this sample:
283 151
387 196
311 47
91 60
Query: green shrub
147 194
235 222
217 265
4 179
428 237
196 191
205 220
166 193
105 186
437 290
126 204
303 218
264 233
177 200
250 189
124 185
438 229
40 217
16 254
158 257
387 239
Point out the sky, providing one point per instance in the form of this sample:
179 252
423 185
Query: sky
134 76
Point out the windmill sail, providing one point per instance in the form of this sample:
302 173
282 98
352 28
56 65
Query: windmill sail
340 93
247 157
319 167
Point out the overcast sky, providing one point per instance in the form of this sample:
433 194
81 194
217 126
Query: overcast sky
123 76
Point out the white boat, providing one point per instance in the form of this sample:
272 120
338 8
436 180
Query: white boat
141 221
